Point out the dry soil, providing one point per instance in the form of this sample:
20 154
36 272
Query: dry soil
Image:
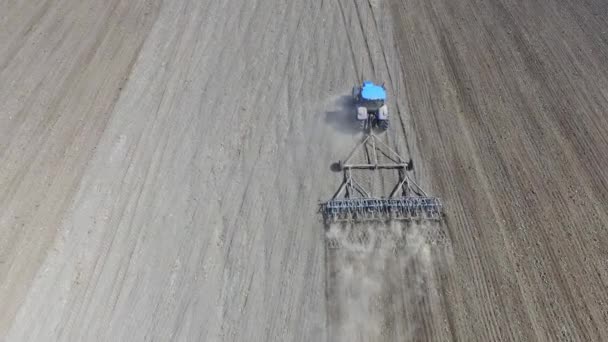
161 165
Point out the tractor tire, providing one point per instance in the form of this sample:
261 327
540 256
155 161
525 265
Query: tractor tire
363 124
383 124
356 91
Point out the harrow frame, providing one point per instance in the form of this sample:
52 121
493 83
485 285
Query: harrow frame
407 201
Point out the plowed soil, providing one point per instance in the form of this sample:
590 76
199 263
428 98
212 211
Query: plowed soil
161 165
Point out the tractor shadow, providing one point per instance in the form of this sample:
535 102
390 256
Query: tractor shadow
344 119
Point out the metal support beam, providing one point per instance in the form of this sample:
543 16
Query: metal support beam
353 202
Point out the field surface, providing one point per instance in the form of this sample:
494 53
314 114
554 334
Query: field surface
162 162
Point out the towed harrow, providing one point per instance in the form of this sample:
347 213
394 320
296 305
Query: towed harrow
352 202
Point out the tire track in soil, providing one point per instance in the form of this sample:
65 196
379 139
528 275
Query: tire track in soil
138 252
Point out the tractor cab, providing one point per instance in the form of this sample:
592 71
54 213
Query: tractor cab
372 96
370 101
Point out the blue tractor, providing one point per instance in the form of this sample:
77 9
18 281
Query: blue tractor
370 101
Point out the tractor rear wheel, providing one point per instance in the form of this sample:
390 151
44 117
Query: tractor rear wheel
383 124
363 124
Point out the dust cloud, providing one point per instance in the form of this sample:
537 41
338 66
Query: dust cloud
378 277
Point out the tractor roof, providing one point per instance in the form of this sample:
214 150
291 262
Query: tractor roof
371 91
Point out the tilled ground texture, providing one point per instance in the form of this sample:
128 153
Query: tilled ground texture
508 99
161 165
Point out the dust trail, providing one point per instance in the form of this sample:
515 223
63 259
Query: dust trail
378 276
